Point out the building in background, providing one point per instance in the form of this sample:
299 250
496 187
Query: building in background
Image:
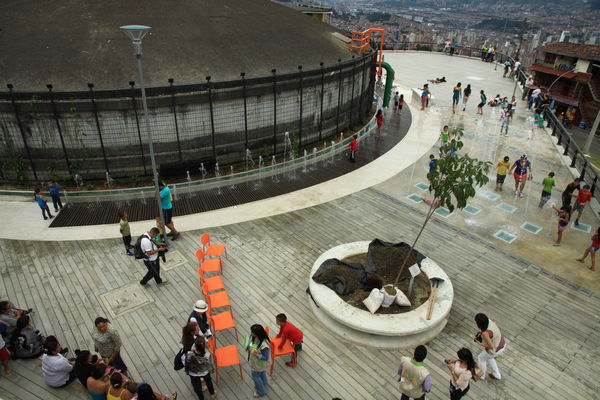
570 72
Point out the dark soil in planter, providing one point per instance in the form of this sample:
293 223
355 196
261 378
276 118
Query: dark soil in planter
388 261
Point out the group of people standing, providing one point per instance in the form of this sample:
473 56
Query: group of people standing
415 379
54 189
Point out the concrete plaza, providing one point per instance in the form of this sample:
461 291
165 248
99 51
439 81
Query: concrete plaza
544 302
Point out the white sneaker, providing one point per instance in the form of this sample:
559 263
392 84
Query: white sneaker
521 194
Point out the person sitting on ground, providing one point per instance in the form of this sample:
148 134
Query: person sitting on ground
56 369
97 383
496 101
437 80
84 362
130 391
288 331
9 315
117 386
145 392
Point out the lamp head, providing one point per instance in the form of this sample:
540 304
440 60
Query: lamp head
136 33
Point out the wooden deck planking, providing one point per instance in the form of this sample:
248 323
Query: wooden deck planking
266 272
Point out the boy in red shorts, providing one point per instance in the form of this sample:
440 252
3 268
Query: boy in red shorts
288 331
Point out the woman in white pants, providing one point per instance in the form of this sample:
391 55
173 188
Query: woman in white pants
493 343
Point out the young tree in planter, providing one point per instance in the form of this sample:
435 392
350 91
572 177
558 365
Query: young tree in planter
452 183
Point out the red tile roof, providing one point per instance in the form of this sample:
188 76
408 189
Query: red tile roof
587 51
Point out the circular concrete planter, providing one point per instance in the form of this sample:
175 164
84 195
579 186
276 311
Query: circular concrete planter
384 331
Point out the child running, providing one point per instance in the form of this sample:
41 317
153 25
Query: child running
456 93
125 232
400 104
584 196
548 183
563 222
466 93
353 148
43 203
592 250
379 119
502 167
425 96
523 171
481 104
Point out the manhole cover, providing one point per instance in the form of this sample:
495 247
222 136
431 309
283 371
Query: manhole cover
126 298
174 259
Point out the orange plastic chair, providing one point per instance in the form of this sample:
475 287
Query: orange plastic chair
216 300
213 283
287 348
213 250
221 321
213 265
224 356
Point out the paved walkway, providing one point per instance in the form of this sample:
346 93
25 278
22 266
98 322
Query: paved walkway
550 322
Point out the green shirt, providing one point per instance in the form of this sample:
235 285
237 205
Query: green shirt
124 227
548 183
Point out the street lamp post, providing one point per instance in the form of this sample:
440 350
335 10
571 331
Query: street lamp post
136 33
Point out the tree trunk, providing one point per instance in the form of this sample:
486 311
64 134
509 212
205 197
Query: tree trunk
429 214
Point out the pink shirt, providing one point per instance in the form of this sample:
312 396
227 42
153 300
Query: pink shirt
464 376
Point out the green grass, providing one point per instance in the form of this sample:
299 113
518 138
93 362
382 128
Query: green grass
595 161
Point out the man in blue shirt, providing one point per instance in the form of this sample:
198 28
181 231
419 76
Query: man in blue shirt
54 190
167 207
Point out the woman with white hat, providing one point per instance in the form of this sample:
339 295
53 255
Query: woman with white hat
199 316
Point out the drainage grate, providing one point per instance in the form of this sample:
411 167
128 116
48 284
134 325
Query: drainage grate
415 198
532 228
581 227
507 207
443 211
472 209
505 236
422 185
491 196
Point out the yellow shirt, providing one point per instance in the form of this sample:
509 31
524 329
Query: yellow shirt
502 167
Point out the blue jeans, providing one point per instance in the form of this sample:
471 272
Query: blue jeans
260 381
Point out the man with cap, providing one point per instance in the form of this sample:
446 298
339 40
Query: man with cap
198 316
523 171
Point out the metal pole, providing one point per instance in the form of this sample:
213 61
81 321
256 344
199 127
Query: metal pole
137 124
62 140
300 119
352 95
149 137
23 137
91 86
212 120
592 134
175 117
243 75
337 118
322 93
274 71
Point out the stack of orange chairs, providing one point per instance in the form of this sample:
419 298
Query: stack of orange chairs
216 297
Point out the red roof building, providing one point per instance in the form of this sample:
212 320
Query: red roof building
570 73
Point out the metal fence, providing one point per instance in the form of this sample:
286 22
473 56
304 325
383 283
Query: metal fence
98 133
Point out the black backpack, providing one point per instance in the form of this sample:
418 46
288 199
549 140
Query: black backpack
137 249
177 362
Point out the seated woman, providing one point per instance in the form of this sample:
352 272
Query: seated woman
117 386
9 315
84 362
97 383
57 370
130 391
145 392
496 101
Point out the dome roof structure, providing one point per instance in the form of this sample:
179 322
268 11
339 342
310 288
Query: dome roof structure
69 43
